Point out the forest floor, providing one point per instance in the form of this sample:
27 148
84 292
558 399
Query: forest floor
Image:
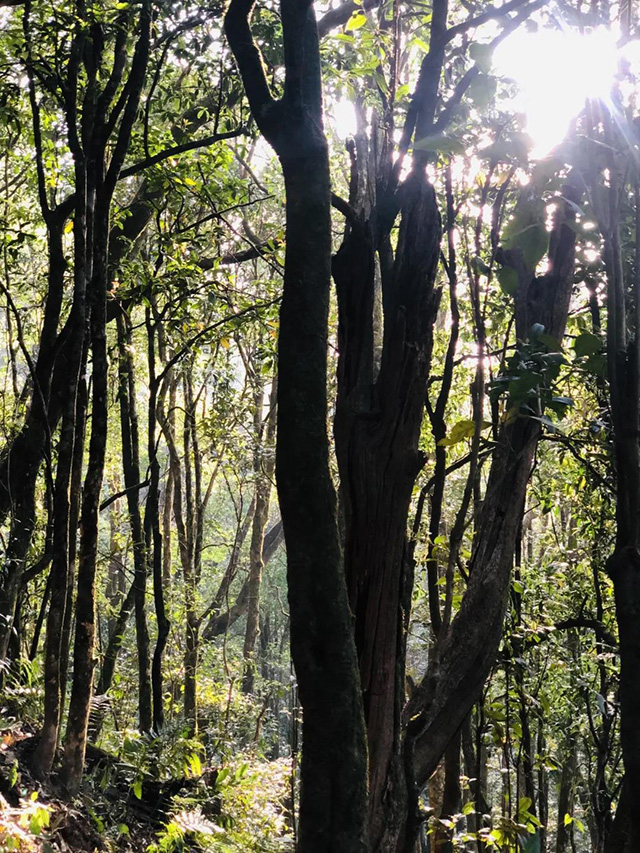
107 815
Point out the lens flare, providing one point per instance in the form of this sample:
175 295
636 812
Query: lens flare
556 72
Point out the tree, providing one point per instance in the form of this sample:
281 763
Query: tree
332 807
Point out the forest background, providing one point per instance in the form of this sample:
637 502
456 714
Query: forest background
419 328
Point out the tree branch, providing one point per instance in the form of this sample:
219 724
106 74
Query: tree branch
175 150
337 17
492 14
249 59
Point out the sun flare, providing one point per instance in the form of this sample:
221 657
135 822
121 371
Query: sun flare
556 71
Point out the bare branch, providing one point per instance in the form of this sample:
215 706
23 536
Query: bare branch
175 150
492 14
249 59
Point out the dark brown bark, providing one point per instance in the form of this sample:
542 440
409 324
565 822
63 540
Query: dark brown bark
61 568
334 763
623 368
131 470
377 429
153 537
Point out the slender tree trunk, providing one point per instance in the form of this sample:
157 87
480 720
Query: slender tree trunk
60 564
153 538
74 517
131 469
83 657
264 463
115 641
566 796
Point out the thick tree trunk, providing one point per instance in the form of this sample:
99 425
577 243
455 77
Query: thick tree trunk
333 770
333 767
377 428
624 568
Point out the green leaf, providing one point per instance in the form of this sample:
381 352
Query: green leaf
357 20
534 242
482 90
468 808
460 431
551 343
479 266
508 280
596 364
39 820
441 143
587 344
513 149
527 232
482 55
137 788
532 844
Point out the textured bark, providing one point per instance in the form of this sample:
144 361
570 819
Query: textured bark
131 469
334 763
61 570
154 544
377 429
623 368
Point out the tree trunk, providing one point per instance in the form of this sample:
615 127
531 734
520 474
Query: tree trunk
333 797
153 537
264 462
377 429
566 796
131 470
